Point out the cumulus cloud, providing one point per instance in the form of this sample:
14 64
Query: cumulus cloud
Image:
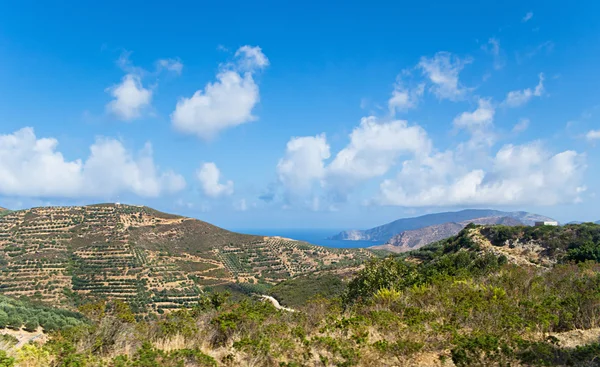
251 57
130 98
593 135
518 175
303 163
472 172
525 174
520 97
403 98
34 167
481 117
443 71
374 148
227 102
210 177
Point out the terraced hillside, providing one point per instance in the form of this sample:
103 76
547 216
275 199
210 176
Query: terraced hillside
154 261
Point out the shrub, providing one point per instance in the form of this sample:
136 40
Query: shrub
5 360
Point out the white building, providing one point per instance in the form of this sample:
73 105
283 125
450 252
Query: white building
546 223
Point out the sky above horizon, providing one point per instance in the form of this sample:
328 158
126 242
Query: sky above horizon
302 115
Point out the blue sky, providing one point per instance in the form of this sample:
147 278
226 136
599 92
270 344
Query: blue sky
279 115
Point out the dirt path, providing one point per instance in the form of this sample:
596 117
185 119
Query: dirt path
25 337
276 303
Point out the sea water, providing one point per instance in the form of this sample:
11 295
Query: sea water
314 236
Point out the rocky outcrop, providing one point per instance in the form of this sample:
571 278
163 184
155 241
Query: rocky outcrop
414 239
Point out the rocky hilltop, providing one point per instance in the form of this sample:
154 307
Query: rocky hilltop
387 231
417 238
152 260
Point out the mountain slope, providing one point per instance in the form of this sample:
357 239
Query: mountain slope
151 259
416 238
387 231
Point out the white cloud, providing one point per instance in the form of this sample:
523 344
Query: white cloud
527 17
403 99
493 48
223 104
226 103
33 167
517 175
443 71
521 126
130 98
303 163
593 135
173 65
513 175
111 168
209 177
468 173
252 57
481 117
520 97
374 148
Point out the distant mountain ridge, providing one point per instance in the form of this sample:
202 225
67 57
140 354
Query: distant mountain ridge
387 231
417 238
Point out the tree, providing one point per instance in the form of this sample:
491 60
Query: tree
14 322
3 319
31 325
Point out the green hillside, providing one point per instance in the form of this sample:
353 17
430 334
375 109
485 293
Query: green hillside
4 211
16 314
152 260
490 296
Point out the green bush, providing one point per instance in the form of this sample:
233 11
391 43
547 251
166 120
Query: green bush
6 361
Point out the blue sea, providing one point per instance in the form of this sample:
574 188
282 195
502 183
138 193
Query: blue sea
314 236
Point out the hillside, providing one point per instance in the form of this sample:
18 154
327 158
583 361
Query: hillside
416 238
153 260
489 296
387 231
15 314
